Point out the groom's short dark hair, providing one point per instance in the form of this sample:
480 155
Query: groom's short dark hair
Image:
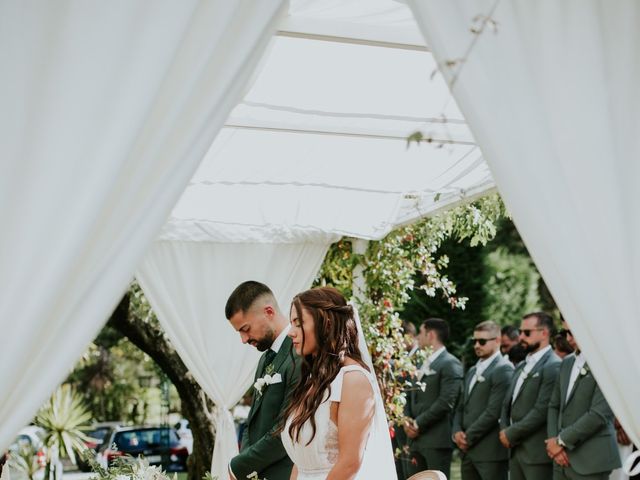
243 297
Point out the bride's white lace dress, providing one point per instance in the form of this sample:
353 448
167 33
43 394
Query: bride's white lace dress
314 461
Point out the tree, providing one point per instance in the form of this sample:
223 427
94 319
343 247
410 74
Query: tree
406 259
134 319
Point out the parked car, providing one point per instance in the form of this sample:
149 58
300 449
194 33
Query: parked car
158 445
97 432
184 433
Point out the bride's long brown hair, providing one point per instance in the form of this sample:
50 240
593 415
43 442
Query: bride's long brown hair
336 338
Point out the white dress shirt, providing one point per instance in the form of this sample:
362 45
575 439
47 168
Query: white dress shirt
277 343
435 354
425 369
530 363
578 364
481 366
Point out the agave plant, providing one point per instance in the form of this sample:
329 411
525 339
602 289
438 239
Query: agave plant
62 418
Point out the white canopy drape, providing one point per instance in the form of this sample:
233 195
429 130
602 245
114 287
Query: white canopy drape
107 109
552 100
188 283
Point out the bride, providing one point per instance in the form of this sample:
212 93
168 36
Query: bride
335 427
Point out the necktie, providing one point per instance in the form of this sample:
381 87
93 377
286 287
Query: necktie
268 358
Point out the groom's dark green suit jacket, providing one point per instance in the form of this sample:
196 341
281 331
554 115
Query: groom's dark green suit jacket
262 449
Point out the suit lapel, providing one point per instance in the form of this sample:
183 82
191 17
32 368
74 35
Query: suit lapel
436 363
470 374
277 362
283 353
538 366
486 373
514 381
256 395
575 384
534 371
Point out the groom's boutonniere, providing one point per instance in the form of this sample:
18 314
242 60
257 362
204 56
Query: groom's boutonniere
480 378
584 370
269 378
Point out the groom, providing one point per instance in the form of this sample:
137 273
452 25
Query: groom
253 311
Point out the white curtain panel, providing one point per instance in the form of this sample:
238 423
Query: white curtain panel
188 283
553 101
107 109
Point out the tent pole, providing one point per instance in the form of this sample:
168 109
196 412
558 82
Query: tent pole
359 246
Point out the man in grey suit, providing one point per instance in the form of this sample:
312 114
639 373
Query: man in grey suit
429 412
582 439
524 411
475 424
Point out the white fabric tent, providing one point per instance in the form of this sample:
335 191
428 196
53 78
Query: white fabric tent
319 142
315 151
552 99
188 283
322 124
106 111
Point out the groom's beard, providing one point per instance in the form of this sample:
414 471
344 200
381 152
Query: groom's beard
264 344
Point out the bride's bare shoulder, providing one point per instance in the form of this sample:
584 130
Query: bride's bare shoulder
348 361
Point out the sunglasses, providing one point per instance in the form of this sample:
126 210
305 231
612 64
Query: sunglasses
564 332
527 331
482 341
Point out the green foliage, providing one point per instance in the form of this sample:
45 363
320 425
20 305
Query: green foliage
63 418
405 260
499 278
512 286
466 268
109 374
119 381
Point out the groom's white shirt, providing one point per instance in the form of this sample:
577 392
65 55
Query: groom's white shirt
277 343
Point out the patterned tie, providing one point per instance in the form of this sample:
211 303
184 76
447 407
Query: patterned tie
268 358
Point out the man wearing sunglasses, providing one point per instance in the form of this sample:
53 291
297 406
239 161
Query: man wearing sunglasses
582 439
475 424
524 411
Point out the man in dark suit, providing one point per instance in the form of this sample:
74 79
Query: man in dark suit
399 440
475 424
253 311
524 412
430 411
582 438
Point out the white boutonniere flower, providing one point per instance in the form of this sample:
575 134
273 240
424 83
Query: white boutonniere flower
537 374
267 380
480 378
584 371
